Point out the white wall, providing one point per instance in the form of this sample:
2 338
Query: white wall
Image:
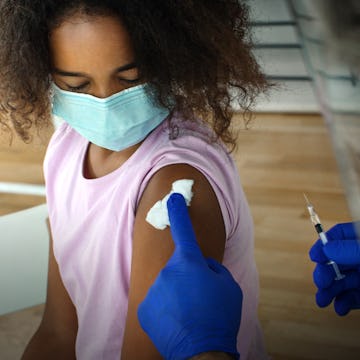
279 53
24 244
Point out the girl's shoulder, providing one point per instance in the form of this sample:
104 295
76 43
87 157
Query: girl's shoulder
193 133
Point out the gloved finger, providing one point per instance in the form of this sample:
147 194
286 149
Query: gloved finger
323 275
343 251
347 301
317 254
343 231
180 224
351 281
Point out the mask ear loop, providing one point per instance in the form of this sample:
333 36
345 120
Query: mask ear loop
51 97
56 120
174 132
174 129
51 92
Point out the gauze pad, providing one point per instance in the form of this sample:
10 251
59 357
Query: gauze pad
158 215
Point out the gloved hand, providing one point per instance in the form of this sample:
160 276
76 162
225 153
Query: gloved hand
343 248
194 305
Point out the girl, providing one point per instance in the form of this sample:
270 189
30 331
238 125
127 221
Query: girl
144 89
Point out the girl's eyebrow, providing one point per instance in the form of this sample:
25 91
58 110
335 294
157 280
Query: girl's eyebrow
125 67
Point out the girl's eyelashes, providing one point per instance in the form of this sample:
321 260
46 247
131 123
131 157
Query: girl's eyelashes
129 81
82 87
78 88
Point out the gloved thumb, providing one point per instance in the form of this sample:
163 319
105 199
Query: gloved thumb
344 252
180 225
217 267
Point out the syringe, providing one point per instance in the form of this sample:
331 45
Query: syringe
319 229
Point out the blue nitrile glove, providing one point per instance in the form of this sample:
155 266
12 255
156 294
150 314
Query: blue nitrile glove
194 305
343 248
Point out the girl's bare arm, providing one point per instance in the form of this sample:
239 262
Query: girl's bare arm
152 248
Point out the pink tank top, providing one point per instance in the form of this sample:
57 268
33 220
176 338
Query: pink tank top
92 223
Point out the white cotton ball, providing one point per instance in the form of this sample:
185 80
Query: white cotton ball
158 215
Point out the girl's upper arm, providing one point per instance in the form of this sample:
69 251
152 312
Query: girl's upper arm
152 248
59 317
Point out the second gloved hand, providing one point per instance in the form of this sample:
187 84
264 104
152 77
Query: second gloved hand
343 248
194 305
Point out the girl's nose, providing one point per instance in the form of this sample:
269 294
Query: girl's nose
105 90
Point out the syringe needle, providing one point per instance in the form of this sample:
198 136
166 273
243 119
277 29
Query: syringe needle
307 200
319 229
314 218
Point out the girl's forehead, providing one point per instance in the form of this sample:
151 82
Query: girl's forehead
96 39
81 28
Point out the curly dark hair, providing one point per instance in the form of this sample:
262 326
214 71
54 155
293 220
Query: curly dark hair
194 52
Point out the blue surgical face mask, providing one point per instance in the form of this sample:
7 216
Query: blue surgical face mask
116 122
